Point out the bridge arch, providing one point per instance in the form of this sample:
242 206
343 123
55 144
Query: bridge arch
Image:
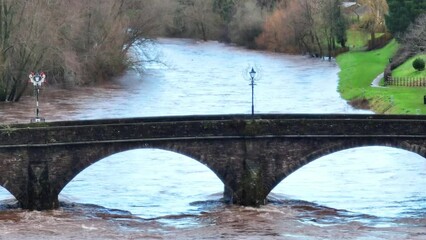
5 189
330 147
391 179
5 194
13 171
212 153
142 167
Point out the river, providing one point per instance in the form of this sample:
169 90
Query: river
362 193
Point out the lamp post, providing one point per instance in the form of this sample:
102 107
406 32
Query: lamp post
37 79
252 76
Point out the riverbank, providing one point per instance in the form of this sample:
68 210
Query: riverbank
171 195
358 69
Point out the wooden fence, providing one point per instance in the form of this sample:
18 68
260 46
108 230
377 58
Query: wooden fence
379 42
338 51
406 81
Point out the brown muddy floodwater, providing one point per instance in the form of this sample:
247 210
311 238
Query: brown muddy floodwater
362 193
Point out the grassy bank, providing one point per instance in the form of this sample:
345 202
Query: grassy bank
407 70
358 69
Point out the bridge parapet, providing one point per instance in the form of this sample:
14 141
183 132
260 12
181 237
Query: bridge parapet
221 126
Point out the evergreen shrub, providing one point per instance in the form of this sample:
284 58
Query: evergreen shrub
419 64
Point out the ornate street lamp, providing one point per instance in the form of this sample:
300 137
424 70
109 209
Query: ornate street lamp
37 79
252 76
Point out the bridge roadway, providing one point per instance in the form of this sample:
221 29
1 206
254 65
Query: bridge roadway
250 155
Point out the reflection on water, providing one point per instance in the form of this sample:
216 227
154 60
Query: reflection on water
363 193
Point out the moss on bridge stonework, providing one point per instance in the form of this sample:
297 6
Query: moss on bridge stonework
253 190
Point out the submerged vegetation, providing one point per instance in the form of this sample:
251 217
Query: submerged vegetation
79 42
74 42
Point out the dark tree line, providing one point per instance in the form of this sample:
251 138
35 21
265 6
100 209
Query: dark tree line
402 13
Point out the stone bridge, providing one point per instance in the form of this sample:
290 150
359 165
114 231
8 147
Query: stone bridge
250 155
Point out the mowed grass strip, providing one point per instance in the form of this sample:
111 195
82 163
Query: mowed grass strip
359 69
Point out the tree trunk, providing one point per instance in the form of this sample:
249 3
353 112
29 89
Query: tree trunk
373 40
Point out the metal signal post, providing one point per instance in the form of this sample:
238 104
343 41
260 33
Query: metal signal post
37 79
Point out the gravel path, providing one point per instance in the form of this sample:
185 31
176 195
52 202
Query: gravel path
376 81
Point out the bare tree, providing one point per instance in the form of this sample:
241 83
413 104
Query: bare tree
415 38
290 28
305 26
246 24
24 42
374 21
201 17
74 41
144 19
332 24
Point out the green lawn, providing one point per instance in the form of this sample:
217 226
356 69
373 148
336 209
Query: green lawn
359 39
407 70
358 69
